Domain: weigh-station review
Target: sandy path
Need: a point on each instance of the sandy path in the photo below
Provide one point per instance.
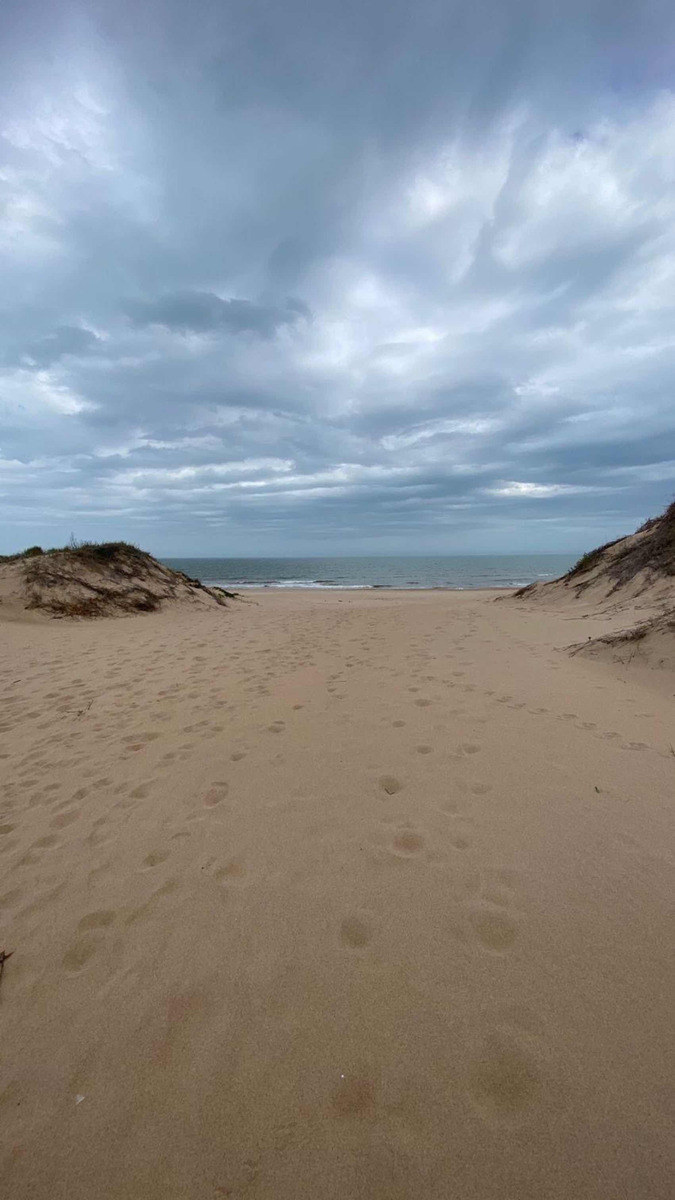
(349, 895)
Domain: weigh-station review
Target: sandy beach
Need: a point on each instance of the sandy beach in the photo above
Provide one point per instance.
(341, 895)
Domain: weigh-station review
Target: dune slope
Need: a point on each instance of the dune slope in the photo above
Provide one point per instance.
(94, 580)
(633, 577)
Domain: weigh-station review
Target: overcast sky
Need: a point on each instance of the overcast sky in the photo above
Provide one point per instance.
(340, 276)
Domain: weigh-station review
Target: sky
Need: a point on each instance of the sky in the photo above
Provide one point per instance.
(346, 277)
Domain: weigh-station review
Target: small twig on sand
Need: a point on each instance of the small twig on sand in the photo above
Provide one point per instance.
(4, 955)
(82, 711)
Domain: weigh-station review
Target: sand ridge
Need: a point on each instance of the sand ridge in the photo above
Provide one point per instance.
(358, 895)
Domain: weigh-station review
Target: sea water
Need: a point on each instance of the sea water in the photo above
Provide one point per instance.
(451, 571)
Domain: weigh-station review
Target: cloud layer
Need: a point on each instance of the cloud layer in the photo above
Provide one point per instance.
(336, 278)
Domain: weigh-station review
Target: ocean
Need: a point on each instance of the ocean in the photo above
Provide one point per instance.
(451, 571)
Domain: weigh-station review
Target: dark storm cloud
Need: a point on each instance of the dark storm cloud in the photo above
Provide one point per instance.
(336, 276)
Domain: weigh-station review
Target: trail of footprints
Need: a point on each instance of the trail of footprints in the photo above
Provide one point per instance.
(505, 1077)
(91, 929)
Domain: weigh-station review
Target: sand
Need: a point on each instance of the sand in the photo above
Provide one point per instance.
(343, 895)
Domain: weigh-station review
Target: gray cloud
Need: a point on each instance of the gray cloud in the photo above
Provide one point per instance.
(474, 205)
(64, 340)
(203, 312)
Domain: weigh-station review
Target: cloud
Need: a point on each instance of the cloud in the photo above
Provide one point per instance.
(64, 340)
(279, 280)
(204, 312)
(541, 491)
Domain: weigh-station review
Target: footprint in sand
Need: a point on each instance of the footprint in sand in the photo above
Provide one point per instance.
(355, 932)
(83, 950)
(390, 784)
(505, 1079)
(354, 1096)
(424, 749)
(64, 819)
(97, 920)
(494, 930)
(9, 899)
(76, 959)
(155, 858)
(33, 855)
(234, 871)
(140, 792)
(166, 889)
(216, 794)
(460, 840)
(407, 843)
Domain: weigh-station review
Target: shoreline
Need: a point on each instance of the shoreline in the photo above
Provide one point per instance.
(366, 587)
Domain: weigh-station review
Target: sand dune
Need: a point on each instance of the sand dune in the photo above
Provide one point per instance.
(630, 583)
(94, 579)
(649, 643)
(637, 571)
(359, 895)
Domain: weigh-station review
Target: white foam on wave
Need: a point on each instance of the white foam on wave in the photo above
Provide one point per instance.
(291, 583)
